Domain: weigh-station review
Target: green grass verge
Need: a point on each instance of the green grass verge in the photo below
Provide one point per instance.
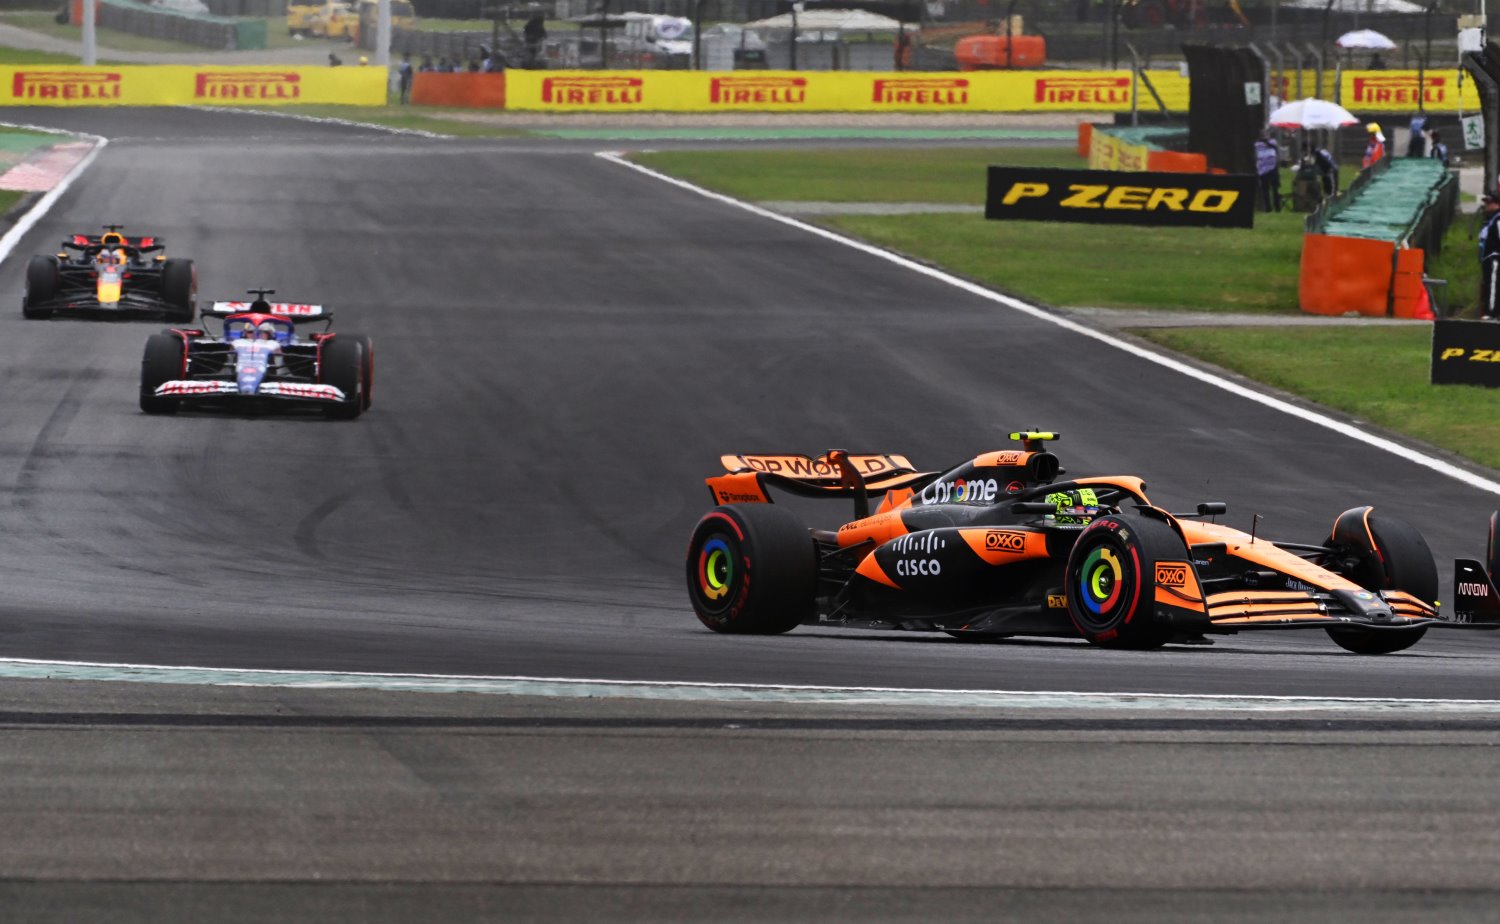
(1379, 374)
(9, 198)
(45, 23)
(1232, 270)
(1107, 266)
(27, 56)
(939, 174)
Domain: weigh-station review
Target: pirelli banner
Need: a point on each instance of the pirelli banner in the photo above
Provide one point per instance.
(1111, 197)
(181, 85)
(830, 91)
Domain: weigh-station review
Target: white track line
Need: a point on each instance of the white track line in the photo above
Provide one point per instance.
(323, 120)
(1323, 420)
(34, 214)
(27, 669)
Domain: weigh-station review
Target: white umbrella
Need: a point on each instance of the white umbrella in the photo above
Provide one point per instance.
(1366, 38)
(1312, 113)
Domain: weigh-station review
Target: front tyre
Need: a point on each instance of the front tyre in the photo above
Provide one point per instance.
(342, 366)
(752, 569)
(43, 278)
(1111, 581)
(161, 363)
(1400, 560)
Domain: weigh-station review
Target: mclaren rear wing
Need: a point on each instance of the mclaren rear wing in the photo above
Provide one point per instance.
(835, 473)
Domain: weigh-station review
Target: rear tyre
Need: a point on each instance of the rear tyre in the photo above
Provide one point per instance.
(179, 289)
(1111, 581)
(342, 366)
(752, 569)
(43, 277)
(367, 373)
(161, 363)
(1401, 560)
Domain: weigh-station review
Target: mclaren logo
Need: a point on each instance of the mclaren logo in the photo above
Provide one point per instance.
(1172, 574)
(592, 91)
(80, 85)
(1004, 540)
(733, 91)
(257, 85)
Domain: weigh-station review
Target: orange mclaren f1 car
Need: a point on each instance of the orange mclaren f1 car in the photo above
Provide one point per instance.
(997, 546)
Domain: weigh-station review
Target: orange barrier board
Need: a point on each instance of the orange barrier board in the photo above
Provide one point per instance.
(1344, 274)
(476, 91)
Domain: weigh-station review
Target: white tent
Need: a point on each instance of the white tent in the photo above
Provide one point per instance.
(831, 21)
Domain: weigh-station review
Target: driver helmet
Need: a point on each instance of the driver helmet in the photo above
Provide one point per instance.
(111, 256)
(265, 330)
(1067, 504)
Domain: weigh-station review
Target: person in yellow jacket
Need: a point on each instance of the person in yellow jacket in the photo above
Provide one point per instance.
(1375, 150)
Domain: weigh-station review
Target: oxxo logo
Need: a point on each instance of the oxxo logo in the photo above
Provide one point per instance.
(65, 85)
(1001, 540)
(1127, 198)
(587, 91)
(730, 91)
(1172, 574)
(960, 491)
(248, 85)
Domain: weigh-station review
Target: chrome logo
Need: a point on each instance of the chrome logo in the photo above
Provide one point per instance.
(715, 569)
(1099, 580)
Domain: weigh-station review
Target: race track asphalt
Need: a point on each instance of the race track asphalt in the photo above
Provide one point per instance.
(565, 347)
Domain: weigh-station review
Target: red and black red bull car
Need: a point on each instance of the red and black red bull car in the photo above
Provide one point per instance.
(259, 361)
(997, 546)
(110, 276)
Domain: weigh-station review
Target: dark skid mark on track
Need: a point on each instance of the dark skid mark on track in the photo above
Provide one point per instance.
(306, 536)
(732, 723)
(57, 424)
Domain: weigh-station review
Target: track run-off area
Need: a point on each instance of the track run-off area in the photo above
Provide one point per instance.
(441, 659)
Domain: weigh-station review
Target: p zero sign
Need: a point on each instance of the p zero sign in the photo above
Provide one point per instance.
(1466, 353)
(1201, 200)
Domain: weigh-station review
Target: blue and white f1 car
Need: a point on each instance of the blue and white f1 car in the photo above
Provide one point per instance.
(259, 362)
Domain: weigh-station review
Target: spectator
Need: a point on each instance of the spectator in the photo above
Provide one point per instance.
(1439, 150)
(403, 71)
(1375, 150)
(1416, 145)
(534, 33)
(444, 66)
(334, 60)
(427, 66)
(1268, 172)
(364, 60)
(1377, 63)
(1489, 258)
(473, 65)
(1328, 171)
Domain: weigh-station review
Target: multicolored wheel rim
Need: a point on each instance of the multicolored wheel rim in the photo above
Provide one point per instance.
(1102, 581)
(716, 573)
